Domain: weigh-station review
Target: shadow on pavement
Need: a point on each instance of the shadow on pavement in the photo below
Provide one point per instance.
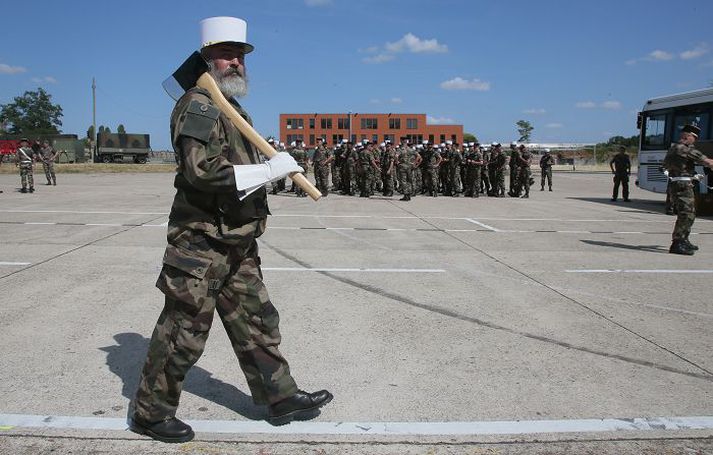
(126, 358)
(649, 248)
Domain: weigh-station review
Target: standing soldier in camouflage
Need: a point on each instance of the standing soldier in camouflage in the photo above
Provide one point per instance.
(546, 163)
(337, 165)
(388, 169)
(349, 158)
(680, 162)
(524, 175)
(473, 164)
(407, 160)
(302, 159)
(515, 183)
(211, 261)
(433, 162)
(321, 161)
(48, 155)
(621, 168)
(455, 160)
(24, 158)
(486, 187)
(368, 165)
(498, 163)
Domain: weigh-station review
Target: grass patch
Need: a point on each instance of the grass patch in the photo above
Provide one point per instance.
(94, 168)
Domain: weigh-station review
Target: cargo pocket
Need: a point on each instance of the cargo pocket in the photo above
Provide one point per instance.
(183, 278)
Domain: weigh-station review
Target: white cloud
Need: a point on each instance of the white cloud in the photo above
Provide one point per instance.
(696, 52)
(318, 2)
(660, 55)
(396, 100)
(369, 50)
(586, 105)
(381, 58)
(458, 83)
(412, 43)
(439, 120)
(611, 105)
(48, 79)
(538, 111)
(7, 69)
(374, 101)
(554, 125)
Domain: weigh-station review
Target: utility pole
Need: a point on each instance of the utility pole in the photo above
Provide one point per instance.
(92, 140)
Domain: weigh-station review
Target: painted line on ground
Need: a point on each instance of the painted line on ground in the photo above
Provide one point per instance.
(80, 212)
(680, 271)
(345, 269)
(483, 225)
(482, 428)
(15, 263)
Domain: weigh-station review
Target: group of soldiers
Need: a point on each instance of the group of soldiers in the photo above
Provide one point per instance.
(448, 169)
(25, 157)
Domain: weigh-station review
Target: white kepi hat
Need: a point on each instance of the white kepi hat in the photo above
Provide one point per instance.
(224, 29)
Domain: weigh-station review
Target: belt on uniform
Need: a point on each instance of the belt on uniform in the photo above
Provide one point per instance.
(680, 179)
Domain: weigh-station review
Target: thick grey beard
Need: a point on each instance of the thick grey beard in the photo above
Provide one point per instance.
(232, 85)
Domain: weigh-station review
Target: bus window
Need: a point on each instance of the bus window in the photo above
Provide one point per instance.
(654, 131)
(700, 119)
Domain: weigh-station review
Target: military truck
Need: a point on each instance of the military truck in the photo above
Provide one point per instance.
(118, 148)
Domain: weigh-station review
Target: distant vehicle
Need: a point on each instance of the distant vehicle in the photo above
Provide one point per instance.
(117, 148)
(660, 122)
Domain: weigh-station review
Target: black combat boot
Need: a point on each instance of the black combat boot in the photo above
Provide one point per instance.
(405, 198)
(689, 245)
(24, 190)
(300, 406)
(171, 430)
(550, 188)
(542, 188)
(679, 247)
(32, 189)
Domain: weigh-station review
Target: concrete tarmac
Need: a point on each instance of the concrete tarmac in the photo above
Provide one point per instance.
(555, 324)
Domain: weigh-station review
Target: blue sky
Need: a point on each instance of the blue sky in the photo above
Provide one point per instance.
(578, 71)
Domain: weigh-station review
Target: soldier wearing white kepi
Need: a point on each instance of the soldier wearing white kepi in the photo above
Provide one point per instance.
(23, 159)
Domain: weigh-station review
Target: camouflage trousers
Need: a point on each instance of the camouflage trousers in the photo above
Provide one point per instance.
(321, 179)
(198, 278)
(472, 180)
(431, 180)
(48, 167)
(524, 176)
(685, 205)
(27, 178)
(336, 177)
(546, 173)
(406, 180)
(622, 179)
(387, 180)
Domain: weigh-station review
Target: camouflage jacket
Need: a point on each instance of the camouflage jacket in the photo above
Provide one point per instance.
(681, 160)
(24, 155)
(207, 145)
(48, 154)
(321, 154)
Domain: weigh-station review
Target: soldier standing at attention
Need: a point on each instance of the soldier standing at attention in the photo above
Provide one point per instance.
(621, 168)
(486, 188)
(24, 159)
(680, 162)
(321, 161)
(498, 163)
(546, 163)
(211, 261)
(407, 160)
(515, 183)
(388, 169)
(349, 161)
(524, 173)
(48, 155)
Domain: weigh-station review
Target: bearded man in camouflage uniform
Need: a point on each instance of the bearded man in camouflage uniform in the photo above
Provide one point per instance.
(680, 162)
(211, 261)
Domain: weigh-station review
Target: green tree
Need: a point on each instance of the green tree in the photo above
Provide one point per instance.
(32, 114)
(120, 129)
(524, 129)
(469, 137)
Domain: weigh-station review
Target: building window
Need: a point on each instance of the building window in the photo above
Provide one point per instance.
(394, 123)
(454, 138)
(343, 123)
(389, 137)
(443, 138)
(411, 123)
(311, 139)
(311, 123)
(374, 138)
(369, 124)
(293, 137)
(295, 124)
(334, 139)
(326, 123)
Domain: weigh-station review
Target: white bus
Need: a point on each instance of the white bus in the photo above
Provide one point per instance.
(660, 122)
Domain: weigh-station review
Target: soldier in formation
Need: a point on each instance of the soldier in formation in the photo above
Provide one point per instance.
(680, 162)
(300, 156)
(24, 158)
(48, 155)
(546, 163)
(321, 164)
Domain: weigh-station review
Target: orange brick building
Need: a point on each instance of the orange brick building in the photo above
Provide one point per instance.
(374, 127)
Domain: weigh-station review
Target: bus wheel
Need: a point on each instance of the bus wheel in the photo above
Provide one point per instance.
(106, 159)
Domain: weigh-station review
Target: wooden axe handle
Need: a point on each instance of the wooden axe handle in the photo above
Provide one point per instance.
(207, 82)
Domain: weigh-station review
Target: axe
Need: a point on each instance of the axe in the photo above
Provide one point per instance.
(194, 73)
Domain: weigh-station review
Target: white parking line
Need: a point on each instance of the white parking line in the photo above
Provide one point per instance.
(321, 269)
(15, 263)
(640, 271)
(512, 427)
(490, 228)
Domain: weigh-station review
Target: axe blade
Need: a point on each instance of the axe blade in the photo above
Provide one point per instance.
(186, 76)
